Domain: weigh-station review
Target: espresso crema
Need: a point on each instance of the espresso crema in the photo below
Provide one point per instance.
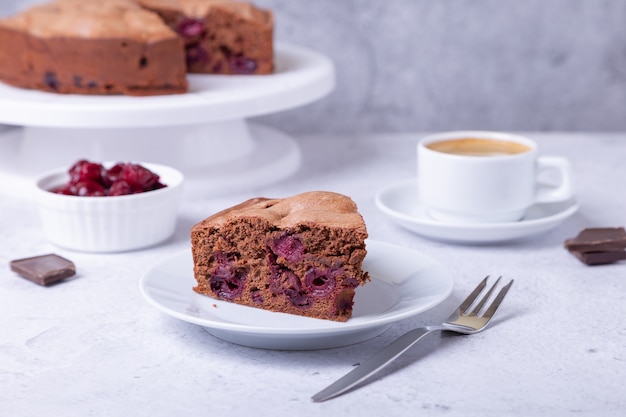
(478, 147)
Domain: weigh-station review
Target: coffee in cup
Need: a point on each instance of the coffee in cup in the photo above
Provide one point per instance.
(478, 147)
(485, 177)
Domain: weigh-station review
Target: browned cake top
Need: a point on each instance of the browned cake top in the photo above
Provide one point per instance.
(200, 8)
(320, 207)
(91, 19)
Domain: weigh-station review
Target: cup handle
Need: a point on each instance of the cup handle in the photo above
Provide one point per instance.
(564, 191)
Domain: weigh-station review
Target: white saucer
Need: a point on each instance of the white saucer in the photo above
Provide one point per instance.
(404, 283)
(401, 204)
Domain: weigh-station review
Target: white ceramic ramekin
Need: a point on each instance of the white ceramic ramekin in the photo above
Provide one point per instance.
(109, 224)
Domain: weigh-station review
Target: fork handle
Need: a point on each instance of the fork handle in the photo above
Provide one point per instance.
(375, 363)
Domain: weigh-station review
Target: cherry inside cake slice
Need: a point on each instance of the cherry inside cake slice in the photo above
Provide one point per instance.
(299, 255)
(220, 37)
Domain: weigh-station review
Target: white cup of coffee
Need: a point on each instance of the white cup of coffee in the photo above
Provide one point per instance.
(485, 177)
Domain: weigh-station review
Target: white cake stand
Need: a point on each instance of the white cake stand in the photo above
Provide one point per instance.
(204, 132)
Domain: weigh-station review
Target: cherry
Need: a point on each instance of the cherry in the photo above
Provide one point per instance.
(289, 247)
(320, 282)
(344, 302)
(89, 189)
(67, 189)
(298, 298)
(51, 81)
(257, 298)
(84, 170)
(195, 53)
(91, 179)
(120, 187)
(190, 28)
(113, 174)
(285, 281)
(239, 64)
(139, 178)
(225, 280)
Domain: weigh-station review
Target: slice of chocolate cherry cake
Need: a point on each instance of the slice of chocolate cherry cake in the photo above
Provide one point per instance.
(220, 36)
(299, 255)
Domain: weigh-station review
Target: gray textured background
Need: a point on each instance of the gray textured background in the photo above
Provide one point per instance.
(429, 65)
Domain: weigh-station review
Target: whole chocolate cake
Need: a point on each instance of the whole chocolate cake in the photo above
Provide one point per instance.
(133, 47)
(301, 255)
(220, 36)
(91, 47)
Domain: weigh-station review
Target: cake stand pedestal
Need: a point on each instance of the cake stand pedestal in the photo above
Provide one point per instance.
(204, 132)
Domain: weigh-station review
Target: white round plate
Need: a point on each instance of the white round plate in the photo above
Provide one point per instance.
(300, 77)
(400, 202)
(404, 283)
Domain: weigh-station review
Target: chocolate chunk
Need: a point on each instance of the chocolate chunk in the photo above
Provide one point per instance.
(44, 269)
(600, 258)
(598, 240)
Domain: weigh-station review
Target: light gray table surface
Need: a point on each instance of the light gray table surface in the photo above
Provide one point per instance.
(92, 346)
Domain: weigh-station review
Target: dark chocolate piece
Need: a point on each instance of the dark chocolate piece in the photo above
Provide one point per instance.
(600, 258)
(44, 269)
(598, 239)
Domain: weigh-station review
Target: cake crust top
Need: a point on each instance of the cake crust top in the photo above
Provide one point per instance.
(91, 19)
(200, 8)
(320, 207)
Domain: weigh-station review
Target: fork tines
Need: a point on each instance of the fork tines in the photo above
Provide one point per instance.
(471, 299)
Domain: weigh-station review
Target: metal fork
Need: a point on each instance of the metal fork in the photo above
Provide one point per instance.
(462, 320)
